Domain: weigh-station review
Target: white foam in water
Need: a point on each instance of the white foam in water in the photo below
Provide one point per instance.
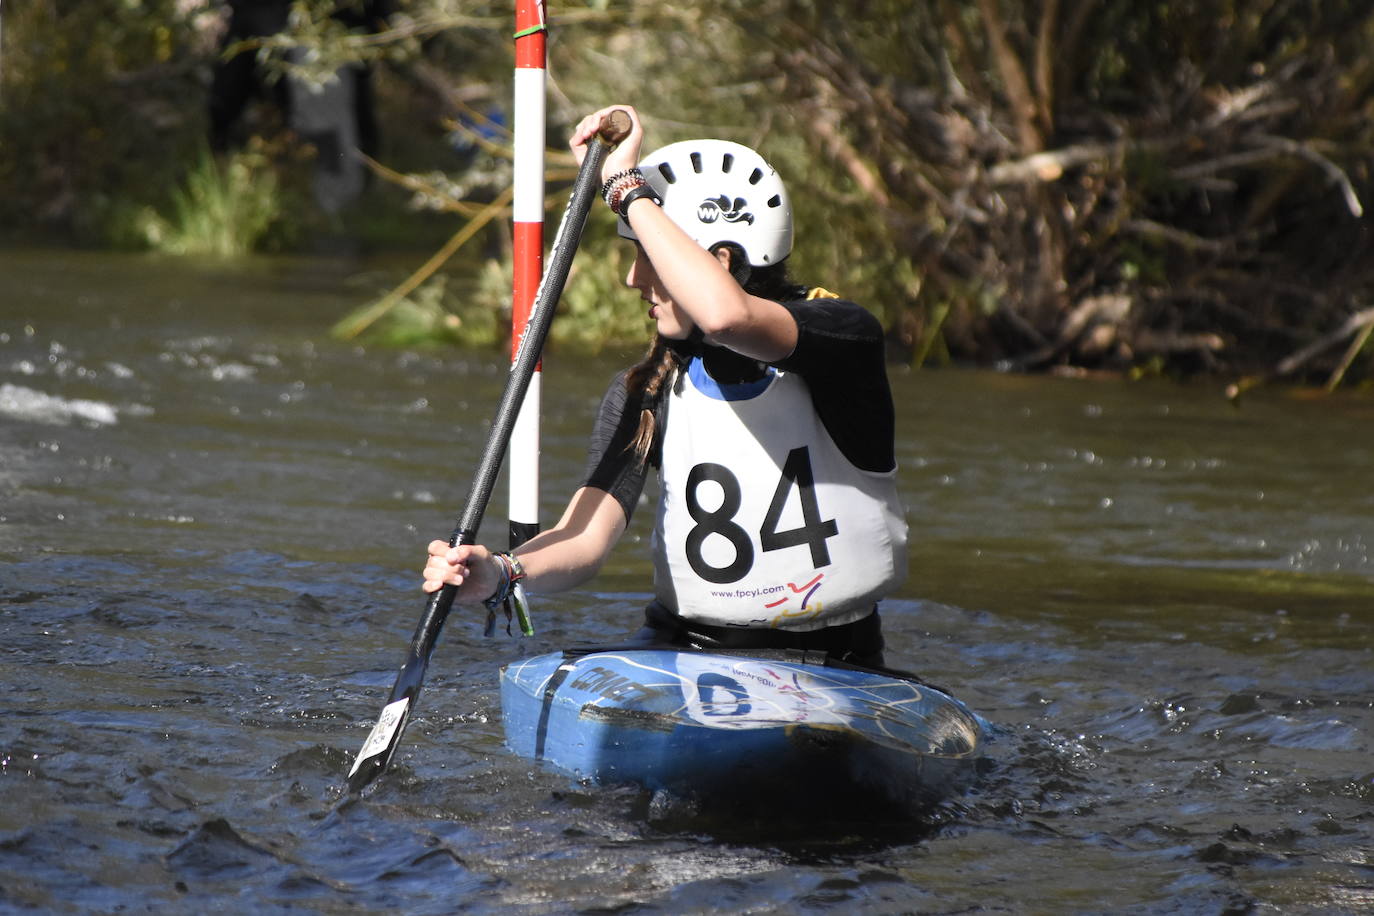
(27, 404)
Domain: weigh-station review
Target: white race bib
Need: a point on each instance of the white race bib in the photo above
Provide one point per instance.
(762, 521)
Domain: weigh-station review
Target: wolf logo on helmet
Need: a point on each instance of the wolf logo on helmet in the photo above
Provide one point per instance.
(722, 207)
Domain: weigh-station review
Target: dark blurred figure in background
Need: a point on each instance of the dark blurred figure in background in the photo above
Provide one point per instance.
(336, 118)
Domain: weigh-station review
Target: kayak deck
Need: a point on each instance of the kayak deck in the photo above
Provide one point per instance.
(722, 726)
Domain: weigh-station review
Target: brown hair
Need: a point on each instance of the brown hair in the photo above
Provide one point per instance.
(649, 377)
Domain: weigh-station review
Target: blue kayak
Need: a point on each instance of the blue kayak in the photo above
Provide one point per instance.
(721, 726)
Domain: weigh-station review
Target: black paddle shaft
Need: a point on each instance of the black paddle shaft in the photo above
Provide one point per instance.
(614, 128)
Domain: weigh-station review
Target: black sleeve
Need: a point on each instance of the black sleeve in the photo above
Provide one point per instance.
(611, 462)
(841, 355)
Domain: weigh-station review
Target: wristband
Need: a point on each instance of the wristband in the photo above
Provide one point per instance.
(510, 595)
(517, 569)
(644, 190)
(511, 572)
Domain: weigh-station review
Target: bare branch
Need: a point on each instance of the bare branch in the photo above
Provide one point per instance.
(1050, 165)
(1336, 174)
(1179, 237)
(1354, 323)
(1019, 97)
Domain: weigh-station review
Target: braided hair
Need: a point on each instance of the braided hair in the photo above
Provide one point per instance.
(649, 378)
(654, 375)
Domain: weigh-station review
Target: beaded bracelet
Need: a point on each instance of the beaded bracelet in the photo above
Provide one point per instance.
(617, 192)
(617, 177)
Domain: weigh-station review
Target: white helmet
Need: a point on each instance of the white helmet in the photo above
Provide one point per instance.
(718, 191)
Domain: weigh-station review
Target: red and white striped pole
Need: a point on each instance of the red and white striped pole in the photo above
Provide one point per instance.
(528, 209)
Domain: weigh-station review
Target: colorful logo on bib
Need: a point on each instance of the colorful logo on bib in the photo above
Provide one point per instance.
(722, 207)
(785, 611)
(807, 608)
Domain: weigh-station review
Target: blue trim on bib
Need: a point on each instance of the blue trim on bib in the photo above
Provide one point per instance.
(742, 391)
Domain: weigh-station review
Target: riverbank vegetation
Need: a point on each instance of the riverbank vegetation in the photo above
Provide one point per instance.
(1060, 185)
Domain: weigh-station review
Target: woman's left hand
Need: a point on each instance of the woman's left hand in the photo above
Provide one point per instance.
(624, 156)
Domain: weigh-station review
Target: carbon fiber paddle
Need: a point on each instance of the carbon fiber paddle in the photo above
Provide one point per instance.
(381, 743)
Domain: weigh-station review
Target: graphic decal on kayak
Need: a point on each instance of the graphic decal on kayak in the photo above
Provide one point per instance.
(735, 700)
(727, 695)
(607, 683)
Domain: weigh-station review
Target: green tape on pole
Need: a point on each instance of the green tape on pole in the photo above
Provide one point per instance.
(531, 30)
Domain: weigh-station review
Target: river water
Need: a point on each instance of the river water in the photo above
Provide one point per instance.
(212, 514)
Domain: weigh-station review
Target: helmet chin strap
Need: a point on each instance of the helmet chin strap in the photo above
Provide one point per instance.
(694, 344)
(729, 367)
(722, 364)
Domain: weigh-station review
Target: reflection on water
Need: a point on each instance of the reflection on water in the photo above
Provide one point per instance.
(211, 516)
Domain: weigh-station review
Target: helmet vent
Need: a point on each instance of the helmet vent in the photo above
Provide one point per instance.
(727, 161)
(666, 171)
(775, 201)
(696, 163)
(756, 176)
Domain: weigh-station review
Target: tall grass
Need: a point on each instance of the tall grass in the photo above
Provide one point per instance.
(223, 208)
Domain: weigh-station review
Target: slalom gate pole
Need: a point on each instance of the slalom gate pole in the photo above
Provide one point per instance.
(531, 30)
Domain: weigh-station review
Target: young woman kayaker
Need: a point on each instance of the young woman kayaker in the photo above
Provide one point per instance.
(765, 408)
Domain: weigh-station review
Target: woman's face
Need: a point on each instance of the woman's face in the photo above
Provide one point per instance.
(673, 323)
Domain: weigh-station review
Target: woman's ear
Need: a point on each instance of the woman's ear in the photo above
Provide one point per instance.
(732, 258)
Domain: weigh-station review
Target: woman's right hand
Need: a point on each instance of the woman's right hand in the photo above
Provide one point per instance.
(471, 567)
(624, 156)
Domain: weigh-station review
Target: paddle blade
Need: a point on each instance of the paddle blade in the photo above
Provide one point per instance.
(380, 745)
